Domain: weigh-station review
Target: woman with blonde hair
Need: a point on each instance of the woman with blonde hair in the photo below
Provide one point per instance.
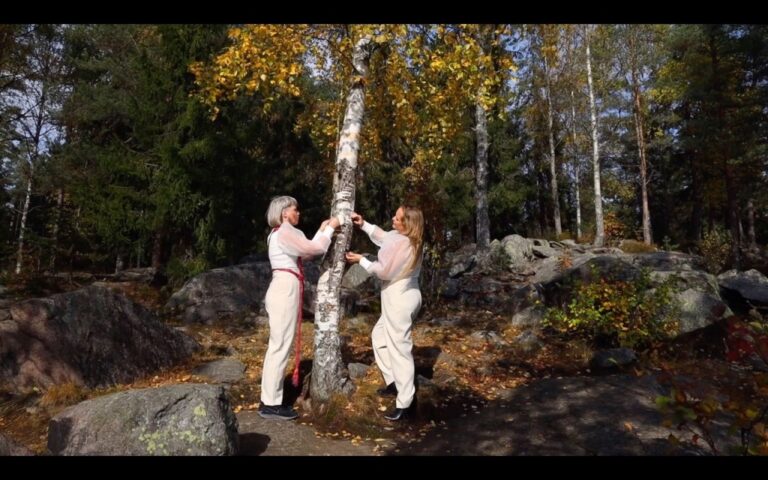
(287, 247)
(398, 266)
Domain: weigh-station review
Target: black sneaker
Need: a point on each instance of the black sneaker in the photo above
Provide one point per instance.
(277, 412)
(388, 391)
(397, 414)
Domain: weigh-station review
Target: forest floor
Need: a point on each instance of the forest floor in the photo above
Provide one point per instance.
(477, 397)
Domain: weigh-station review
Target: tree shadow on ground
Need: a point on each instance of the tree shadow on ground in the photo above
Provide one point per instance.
(253, 444)
(613, 415)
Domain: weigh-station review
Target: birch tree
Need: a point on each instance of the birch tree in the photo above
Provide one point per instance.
(271, 60)
(548, 52)
(599, 223)
(36, 104)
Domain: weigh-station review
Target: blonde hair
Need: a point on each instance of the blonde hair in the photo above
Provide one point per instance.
(276, 207)
(413, 223)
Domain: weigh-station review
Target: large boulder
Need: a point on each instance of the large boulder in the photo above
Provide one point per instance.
(559, 290)
(666, 261)
(358, 278)
(91, 337)
(518, 250)
(222, 292)
(186, 419)
(8, 447)
(503, 297)
(241, 290)
(699, 309)
(696, 293)
(461, 261)
(751, 286)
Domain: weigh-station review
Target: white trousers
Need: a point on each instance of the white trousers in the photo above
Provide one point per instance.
(282, 303)
(391, 337)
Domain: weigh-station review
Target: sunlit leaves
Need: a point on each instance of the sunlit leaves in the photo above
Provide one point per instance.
(422, 80)
(263, 58)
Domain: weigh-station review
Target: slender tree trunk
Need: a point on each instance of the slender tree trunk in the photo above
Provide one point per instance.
(697, 181)
(482, 224)
(552, 159)
(741, 231)
(157, 248)
(540, 187)
(724, 151)
(647, 235)
(328, 369)
(733, 212)
(751, 225)
(23, 225)
(640, 134)
(55, 233)
(16, 216)
(599, 224)
(576, 168)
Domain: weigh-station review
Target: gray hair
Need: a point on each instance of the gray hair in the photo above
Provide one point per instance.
(276, 207)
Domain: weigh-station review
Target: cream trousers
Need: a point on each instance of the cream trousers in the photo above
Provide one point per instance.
(391, 337)
(282, 303)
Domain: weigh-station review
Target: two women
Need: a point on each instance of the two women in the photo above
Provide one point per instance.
(398, 266)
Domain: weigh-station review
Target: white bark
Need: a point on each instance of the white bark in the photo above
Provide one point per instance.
(599, 223)
(22, 227)
(576, 168)
(639, 131)
(552, 159)
(640, 134)
(483, 224)
(327, 368)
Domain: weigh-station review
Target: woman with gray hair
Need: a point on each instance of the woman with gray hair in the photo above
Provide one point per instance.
(287, 246)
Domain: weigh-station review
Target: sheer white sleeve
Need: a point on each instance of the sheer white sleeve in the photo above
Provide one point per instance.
(375, 233)
(394, 256)
(295, 243)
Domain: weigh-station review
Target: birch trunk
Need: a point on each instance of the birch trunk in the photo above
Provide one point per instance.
(552, 159)
(640, 134)
(327, 368)
(576, 168)
(483, 224)
(599, 224)
(22, 227)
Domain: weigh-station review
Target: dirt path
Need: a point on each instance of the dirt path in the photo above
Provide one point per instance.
(259, 436)
(612, 415)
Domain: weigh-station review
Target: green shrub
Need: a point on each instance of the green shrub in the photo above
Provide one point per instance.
(667, 245)
(618, 313)
(179, 270)
(633, 246)
(715, 248)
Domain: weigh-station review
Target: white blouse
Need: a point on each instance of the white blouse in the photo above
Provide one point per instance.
(394, 255)
(289, 243)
